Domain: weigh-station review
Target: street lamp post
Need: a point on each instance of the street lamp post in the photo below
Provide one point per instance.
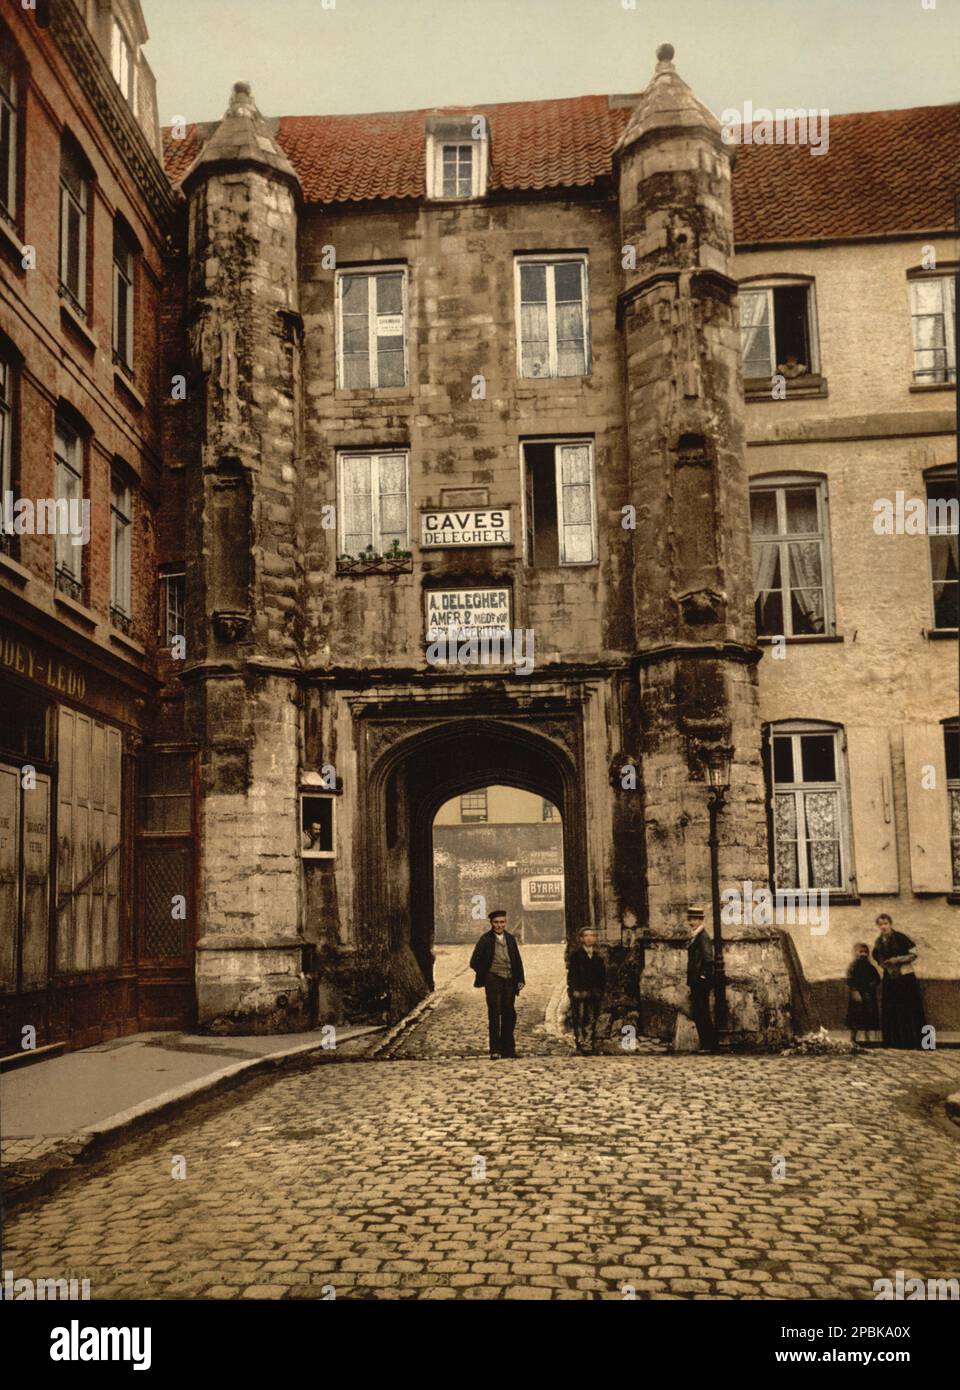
(717, 760)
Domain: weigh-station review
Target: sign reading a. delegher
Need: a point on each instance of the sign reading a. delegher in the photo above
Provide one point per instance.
(467, 612)
(489, 526)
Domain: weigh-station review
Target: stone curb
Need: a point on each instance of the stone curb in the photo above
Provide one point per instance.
(416, 1014)
(30, 1177)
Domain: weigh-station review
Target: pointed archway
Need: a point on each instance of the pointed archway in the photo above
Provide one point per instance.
(406, 788)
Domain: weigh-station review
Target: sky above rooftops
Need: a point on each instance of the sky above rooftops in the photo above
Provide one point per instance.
(390, 55)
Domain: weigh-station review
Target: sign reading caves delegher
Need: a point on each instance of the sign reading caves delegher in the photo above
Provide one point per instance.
(465, 613)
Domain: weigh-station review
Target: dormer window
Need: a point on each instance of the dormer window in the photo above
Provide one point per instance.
(123, 62)
(457, 150)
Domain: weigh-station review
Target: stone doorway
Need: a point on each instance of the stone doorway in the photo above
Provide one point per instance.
(423, 768)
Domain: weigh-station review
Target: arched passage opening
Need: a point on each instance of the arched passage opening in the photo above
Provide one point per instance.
(409, 785)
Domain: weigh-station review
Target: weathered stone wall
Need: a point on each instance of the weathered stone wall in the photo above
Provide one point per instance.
(244, 579)
(461, 322)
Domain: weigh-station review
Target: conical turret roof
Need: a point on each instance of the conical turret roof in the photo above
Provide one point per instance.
(666, 103)
(242, 137)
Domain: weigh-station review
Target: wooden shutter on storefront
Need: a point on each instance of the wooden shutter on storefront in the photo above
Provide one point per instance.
(872, 810)
(88, 843)
(927, 808)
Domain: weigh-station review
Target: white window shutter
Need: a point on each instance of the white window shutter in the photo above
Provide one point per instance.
(872, 810)
(927, 810)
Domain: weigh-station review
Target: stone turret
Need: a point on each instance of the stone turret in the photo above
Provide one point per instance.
(244, 571)
(695, 637)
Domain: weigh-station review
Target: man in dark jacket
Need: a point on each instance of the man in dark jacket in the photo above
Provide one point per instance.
(586, 981)
(700, 978)
(499, 971)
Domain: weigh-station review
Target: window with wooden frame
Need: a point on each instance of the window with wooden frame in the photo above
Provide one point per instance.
(560, 523)
(373, 510)
(124, 261)
(68, 486)
(74, 205)
(123, 62)
(457, 150)
(8, 542)
(473, 805)
(778, 330)
(317, 826)
(810, 815)
(172, 606)
(121, 531)
(951, 737)
(943, 530)
(791, 557)
(553, 328)
(933, 313)
(9, 134)
(371, 328)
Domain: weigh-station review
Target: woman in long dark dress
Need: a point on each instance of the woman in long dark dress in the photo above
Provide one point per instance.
(901, 1005)
(863, 983)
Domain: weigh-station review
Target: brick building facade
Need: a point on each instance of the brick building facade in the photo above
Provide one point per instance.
(85, 211)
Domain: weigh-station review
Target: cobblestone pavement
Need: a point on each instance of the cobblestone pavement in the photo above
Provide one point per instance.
(550, 1177)
(456, 1024)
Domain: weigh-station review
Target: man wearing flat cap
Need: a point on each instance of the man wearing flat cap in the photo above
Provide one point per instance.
(700, 977)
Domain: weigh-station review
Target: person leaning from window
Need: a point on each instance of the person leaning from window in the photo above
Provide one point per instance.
(901, 1004)
(499, 971)
(586, 982)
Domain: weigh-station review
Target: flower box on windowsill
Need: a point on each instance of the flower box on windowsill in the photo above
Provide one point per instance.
(356, 566)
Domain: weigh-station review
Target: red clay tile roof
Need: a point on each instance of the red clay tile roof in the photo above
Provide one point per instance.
(885, 171)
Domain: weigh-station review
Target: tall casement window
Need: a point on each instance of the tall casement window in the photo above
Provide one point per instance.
(805, 766)
(373, 510)
(74, 204)
(473, 805)
(791, 559)
(124, 257)
(777, 326)
(7, 542)
(943, 529)
(173, 594)
(371, 332)
(559, 506)
(121, 520)
(123, 62)
(9, 137)
(68, 485)
(933, 311)
(553, 336)
(951, 736)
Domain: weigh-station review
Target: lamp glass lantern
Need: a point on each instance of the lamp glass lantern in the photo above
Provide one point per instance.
(717, 759)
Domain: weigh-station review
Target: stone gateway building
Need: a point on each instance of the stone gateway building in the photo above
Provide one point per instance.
(537, 446)
(456, 375)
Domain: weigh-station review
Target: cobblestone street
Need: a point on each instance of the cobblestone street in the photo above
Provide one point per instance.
(434, 1172)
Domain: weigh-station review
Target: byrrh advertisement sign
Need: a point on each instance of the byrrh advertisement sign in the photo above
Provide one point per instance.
(457, 526)
(542, 891)
(464, 613)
